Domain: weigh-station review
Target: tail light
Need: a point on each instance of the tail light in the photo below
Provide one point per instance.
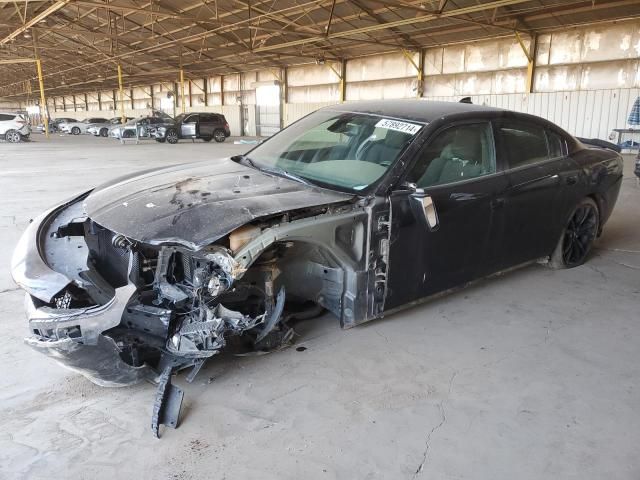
(20, 121)
(226, 124)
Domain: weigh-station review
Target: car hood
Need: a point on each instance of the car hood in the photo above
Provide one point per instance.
(195, 204)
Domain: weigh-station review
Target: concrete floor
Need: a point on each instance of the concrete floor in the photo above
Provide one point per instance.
(533, 375)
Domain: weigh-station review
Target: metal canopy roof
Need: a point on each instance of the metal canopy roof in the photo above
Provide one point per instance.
(80, 42)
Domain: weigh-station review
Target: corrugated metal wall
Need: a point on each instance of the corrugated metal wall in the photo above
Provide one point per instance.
(590, 113)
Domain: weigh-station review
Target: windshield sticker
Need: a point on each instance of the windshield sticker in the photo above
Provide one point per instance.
(410, 128)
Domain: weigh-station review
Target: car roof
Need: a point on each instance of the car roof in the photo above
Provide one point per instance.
(419, 110)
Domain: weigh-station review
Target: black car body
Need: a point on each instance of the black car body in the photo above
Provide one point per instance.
(159, 269)
(204, 125)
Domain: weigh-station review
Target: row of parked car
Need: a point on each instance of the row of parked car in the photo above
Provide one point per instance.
(157, 126)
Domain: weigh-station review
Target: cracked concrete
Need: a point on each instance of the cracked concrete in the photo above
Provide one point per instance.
(546, 384)
(443, 420)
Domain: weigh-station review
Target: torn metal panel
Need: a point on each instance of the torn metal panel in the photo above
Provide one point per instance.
(100, 363)
(166, 408)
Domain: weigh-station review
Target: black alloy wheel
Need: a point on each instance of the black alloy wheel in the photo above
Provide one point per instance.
(219, 136)
(172, 136)
(578, 236)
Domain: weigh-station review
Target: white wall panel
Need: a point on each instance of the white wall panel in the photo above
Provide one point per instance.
(381, 89)
(390, 66)
(314, 93)
(295, 111)
(307, 75)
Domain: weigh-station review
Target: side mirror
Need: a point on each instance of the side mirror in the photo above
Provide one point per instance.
(427, 206)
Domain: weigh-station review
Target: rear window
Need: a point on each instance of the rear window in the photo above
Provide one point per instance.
(523, 143)
(557, 144)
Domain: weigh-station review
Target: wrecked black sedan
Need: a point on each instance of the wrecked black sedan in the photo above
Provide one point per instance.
(360, 209)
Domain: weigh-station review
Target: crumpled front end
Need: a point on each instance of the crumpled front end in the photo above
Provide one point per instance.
(119, 312)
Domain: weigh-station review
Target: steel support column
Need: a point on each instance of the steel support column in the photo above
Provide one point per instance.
(43, 101)
(341, 74)
(123, 117)
(182, 90)
(419, 67)
(221, 89)
(530, 53)
(205, 90)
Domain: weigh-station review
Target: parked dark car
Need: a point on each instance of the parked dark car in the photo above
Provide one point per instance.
(361, 209)
(206, 126)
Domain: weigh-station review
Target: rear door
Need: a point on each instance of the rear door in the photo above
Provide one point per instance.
(539, 173)
(6, 122)
(207, 124)
(457, 179)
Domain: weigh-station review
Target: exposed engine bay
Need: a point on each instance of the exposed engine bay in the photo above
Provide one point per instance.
(158, 309)
(187, 304)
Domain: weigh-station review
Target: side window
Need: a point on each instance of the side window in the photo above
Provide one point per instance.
(4, 117)
(557, 145)
(456, 154)
(191, 119)
(523, 143)
(207, 118)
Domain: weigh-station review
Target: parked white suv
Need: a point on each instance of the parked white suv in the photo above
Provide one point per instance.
(14, 127)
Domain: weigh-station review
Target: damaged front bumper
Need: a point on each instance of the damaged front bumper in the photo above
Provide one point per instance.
(73, 337)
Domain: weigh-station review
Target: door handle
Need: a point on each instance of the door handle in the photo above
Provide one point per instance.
(496, 203)
(571, 180)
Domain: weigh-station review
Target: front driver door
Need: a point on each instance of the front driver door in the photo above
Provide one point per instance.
(455, 180)
(188, 126)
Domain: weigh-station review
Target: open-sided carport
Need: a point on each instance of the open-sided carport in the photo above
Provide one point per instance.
(529, 375)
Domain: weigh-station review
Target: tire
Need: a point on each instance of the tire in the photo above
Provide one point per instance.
(75, 130)
(161, 140)
(104, 132)
(172, 137)
(12, 136)
(207, 139)
(577, 237)
(219, 136)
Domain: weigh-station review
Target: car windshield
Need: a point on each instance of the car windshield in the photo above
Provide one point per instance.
(346, 151)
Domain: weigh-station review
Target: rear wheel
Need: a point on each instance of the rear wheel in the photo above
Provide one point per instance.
(172, 137)
(104, 132)
(12, 136)
(75, 130)
(578, 236)
(219, 136)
